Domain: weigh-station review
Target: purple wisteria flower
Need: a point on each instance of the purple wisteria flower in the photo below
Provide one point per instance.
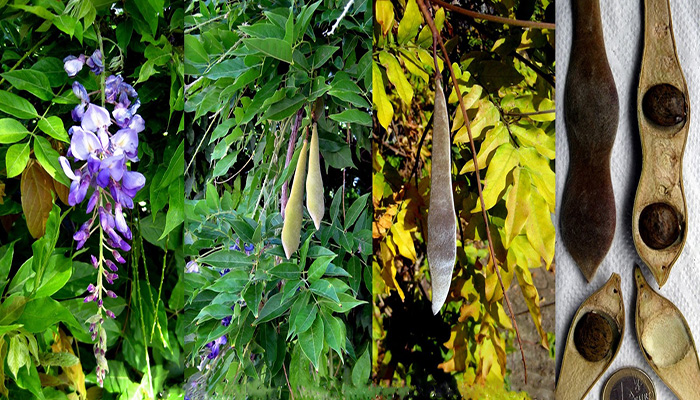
(101, 167)
(214, 346)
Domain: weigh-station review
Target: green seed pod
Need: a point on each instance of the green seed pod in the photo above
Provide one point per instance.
(314, 182)
(442, 226)
(291, 231)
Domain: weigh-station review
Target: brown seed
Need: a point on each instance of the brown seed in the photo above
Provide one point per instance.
(659, 226)
(593, 337)
(665, 105)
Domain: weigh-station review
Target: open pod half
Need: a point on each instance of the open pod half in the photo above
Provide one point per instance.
(666, 341)
(594, 339)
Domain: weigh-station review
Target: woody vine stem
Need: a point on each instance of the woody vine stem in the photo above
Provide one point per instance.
(437, 39)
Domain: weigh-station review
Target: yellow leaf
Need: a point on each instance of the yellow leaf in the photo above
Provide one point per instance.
(37, 201)
(413, 65)
(74, 374)
(532, 136)
(2, 194)
(385, 111)
(473, 94)
(485, 118)
(539, 228)
(396, 76)
(494, 138)
(541, 173)
(386, 254)
(517, 204)
(503, 161)
(426, 58)
(384, 13)
(403, 240)
(532, 299)
(411, 21)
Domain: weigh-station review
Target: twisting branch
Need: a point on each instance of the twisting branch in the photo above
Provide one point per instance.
(494, 18)
(492, 254)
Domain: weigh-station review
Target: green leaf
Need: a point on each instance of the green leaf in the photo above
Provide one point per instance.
(62, 359)
(17, 355)
(322, 54)
(53, 126)
(28, 378)
(6, 253)
(318, 267)
(58, 272)
(285, 270)
(12, 131)
(176, 207)
(355, 210)
(66, 23)
(34, 82)
(302, 318)
(176, 167)
(311, 342)
(52, 67)
(227, 259)
(334, 330)
(324, 288)
(273, 308)
(40, 314)
(353, 116)
(11, 309)
(396, 76)
(16, 106)
(361, 370)
(285, 108)
(272, 47)
(48, 158)
(411, 21)
(194, 50)
(503, 161)
(16, 159)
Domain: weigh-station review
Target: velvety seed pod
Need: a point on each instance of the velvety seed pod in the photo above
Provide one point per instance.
(442, 226)
(314, 182)
(291, 231)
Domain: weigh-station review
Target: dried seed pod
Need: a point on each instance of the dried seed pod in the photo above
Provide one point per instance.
(590, 347)
(314, 182)
(442, 226)
(659, 226)
(665, 105)
(666, 341)
(291, 231)
(663, 114)
(587, 223)
(593, 336)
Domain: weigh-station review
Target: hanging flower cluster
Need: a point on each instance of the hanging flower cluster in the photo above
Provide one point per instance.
(104, 172)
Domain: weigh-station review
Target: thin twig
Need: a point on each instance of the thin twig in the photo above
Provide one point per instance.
(291, 392)
(492, 252)
(513, 114)
(494, 18)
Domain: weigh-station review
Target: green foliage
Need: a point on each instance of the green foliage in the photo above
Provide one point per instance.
(43, 333)
(505, 75)
(253, 69)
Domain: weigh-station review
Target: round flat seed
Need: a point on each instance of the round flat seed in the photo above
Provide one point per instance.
(629, 384)
(665, 105)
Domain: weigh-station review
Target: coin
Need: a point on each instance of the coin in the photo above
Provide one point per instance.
(629, 384)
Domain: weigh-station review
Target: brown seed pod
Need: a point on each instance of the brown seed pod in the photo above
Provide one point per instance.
(665, 105)
(593, 336)
(659, 226)
(593, 341)
(587, 223)
(663, 113)
(442, 225)
(666, 340)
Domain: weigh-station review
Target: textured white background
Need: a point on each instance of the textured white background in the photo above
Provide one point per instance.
(623, 22)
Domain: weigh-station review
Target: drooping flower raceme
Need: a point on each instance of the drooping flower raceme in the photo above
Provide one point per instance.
(100, 168)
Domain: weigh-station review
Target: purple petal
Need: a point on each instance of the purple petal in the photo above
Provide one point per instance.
(80, 92)
(116, 165)
(122, 115)
(66, 168)
(95, 117)
(112, 88)
(126, 140)
(137, 123)
(78, 112)
(93, 201)
(133, 181)
(95, 62)
(72, 65)
(83, 143)
(121, 222)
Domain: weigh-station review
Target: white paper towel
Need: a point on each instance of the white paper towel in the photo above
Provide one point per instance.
(623, 24)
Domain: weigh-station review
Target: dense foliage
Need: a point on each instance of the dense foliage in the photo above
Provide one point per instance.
(83, 310)
(258, 75)
(506, 78)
